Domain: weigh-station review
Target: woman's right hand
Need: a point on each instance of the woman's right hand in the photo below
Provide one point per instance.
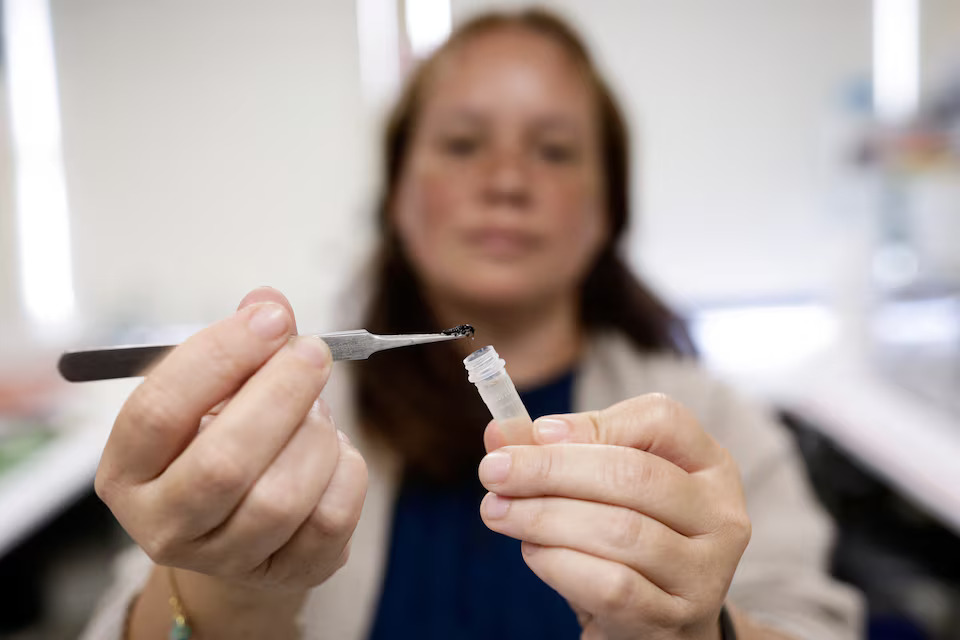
(225, 462)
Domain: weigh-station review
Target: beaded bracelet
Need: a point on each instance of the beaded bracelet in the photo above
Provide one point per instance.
(180, 629)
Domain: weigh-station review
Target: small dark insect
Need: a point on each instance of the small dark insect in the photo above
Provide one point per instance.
(462, 330)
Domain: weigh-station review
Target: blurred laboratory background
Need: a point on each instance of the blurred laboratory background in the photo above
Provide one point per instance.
(798, 192)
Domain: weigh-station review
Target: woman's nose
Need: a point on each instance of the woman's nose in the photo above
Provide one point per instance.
(507, 181)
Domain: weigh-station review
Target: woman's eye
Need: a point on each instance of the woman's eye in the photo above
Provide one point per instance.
(558, 153)
(460, 145)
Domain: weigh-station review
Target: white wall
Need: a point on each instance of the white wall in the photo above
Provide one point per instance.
(210, 147)
(9, 293)
(732, 105)
(939, 41)
(935, 204)
(214, 146)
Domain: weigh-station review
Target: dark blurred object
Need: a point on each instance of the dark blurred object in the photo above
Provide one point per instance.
(893, 628)
(906, 564)
(49, 583)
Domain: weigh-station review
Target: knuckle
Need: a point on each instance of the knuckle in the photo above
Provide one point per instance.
(362, 473)
(332, 521)
(727, 462)
(289, 387)
(663, 408)
(657, 398)
(161, 547)
(627, 530)
(536, 522)
(629, 471)
(597, 420)
(150, 409)
(358, 466)
(542, 462)
(344, 556)
(218, 473)
(741, 527)
(680, 612)
(732, 519)
(276, 507)
(617, 592)
(220, 354)
(105, 487)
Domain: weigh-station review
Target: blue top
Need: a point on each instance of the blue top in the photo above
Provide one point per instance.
(449, 576)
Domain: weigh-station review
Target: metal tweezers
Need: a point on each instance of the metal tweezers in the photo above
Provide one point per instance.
(128, 361)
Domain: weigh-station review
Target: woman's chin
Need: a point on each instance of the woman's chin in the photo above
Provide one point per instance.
(497, 297)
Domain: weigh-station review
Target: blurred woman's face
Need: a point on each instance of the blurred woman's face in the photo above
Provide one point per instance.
(501, 200)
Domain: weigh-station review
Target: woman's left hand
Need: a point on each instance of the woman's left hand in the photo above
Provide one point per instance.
(634, 514)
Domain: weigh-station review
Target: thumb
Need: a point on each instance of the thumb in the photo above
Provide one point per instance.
(268, 294)
(652, 422)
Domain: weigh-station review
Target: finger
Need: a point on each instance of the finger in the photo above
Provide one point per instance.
(321, 544)
(653, 423)
(161, 415)
(213, 413)
(512, 432)
(670, 561)
(493, 437)
(608, 474)
(206, 482)
(269, 294)
(279, 501)
(614, 594)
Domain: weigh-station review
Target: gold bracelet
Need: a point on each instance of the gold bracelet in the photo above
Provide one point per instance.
(180, 629)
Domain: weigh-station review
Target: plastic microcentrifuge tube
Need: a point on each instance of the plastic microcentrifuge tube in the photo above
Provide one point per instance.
(488, 372)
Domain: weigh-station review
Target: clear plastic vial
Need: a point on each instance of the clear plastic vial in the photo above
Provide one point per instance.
(488, 372)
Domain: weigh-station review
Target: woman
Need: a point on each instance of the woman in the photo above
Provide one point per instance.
(506, 196)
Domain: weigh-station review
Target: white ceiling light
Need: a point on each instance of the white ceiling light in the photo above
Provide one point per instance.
(428, 25)
(896, 59)
(43, 229)
(378, 38)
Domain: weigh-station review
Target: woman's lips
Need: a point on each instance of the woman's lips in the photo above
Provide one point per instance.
(502, 243)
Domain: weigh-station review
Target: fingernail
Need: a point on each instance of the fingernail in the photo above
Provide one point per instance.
(320, 406)
(494, 467)
(269, 321)
(495, 507)
(551, 430)
(313, 350)
(204, 421)
(343, 437)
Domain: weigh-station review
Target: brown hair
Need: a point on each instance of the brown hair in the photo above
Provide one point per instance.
(429, 413)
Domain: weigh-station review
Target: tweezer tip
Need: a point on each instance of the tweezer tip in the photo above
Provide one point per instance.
(463, 330)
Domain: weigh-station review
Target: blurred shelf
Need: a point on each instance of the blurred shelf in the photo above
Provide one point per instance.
(800, 358)
(912, 443)
(52, 477)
